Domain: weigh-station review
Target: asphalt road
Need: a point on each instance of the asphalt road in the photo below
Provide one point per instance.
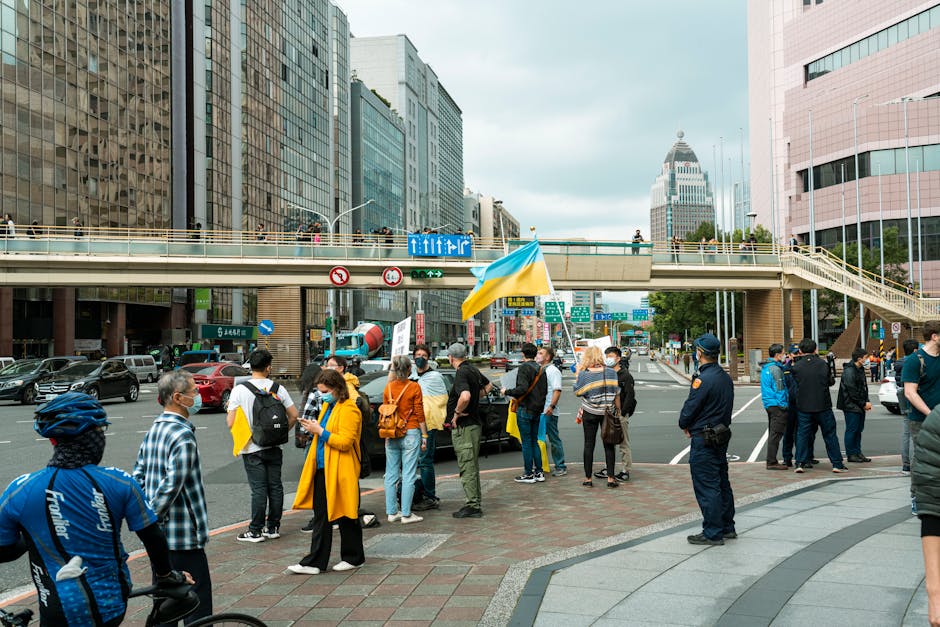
(654, 436)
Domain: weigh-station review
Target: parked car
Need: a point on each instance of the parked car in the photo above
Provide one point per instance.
(17, 381)
(513, 361)
(494, 407)
(198, 357)
(215, 381)
(99, 379)
(375, 365)
(888, 394)
(499, 360)
(143, 366)
(5, 361)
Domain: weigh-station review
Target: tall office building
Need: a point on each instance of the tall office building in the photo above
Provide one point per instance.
(85, 131)
(828, 80)
(681, 197)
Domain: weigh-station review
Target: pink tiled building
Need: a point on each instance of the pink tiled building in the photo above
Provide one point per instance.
(822, 69)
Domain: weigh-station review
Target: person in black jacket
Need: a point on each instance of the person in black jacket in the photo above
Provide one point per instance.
(853, 401)
(613, 358)
(813, 378)
(530, 391)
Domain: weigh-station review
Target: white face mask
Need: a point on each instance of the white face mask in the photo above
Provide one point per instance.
(610, 362)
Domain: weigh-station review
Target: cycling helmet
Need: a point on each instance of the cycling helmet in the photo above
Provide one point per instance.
(69, 415)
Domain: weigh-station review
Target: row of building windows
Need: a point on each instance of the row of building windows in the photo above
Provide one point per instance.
(875, 163)
(885, 38)
(871, 236)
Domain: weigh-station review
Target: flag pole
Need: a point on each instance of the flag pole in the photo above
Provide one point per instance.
(554, 298)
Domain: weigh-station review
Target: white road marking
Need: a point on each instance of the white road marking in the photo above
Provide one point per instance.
(760, 446)
(201, 428)
(145, 391)
(669, 411)
(4, 441)
(23, 422)
(675, 460)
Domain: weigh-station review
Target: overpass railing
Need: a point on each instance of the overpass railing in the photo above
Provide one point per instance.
(674, 253)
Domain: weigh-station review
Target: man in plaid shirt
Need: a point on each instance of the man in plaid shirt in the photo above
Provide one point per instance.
(169, 471)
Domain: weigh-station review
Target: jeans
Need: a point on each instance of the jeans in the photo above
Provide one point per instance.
(709, 469)
(426, 465)
(263, 469)
(592, 424)
(467, 449)
(804, 436)
(776, 429)
(529, 435)
(321, 541)
(401, 464)
(854, 425)
(554, 440)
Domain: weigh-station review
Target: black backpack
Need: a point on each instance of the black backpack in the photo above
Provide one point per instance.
(269, 424)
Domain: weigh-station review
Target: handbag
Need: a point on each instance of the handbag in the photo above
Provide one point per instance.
(514, 402)
(611, 429)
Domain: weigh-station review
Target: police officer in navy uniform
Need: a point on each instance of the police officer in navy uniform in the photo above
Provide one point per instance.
(709, 404)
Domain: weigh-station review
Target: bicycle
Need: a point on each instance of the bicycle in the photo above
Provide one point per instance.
(180, 593)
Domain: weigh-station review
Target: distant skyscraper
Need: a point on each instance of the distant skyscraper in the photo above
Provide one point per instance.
(681, 198)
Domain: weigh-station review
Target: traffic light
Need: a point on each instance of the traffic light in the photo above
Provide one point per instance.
(328, 325)
(428, 273)
(875, 329)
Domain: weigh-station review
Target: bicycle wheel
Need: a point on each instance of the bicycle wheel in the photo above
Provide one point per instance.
(229, 618)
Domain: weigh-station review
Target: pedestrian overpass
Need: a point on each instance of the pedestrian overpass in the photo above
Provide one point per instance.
(166, 258)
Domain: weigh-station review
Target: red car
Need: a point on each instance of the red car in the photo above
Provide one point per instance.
(215, 381)
(499, 360)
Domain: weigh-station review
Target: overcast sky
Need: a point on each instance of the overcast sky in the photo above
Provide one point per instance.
(569, 108)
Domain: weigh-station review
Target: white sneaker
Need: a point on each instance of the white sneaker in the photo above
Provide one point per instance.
(300, 569)
(394, 517)
(411, 519)
(344, 565)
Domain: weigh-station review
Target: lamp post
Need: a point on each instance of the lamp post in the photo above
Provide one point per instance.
(845, 298)
(858, 215)
(813, 294)
(332, 292)
(907, 173)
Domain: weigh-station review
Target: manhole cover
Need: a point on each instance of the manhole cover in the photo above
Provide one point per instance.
(404, 545)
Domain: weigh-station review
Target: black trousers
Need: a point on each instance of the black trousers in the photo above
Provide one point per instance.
(263, 469)
(591, 423)
(776, 427)
(196, 564)
(321, 541)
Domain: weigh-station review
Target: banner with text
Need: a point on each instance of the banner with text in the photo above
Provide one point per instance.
(401, 337)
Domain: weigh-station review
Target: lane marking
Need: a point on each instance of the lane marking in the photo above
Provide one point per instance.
(4, 441)
(25, 422)
(760, 446)
(685, 451)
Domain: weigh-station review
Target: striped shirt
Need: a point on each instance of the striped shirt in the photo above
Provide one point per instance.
(598, 390)
(169, 471)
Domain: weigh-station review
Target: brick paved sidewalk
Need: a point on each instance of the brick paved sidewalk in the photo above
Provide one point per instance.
(471, 571)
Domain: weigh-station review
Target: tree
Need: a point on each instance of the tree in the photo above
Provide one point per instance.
(678, 312)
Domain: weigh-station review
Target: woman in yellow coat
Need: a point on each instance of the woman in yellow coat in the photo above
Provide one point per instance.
(333, 462)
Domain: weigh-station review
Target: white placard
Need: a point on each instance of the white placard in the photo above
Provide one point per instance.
(602, 342)
(401, 337)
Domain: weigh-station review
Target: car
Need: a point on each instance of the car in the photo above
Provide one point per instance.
(144, 366)
(888, 394)
(99, 379)
(215, 381)
(494, 406)
(17, 381)
(5, 361)
(498, 360)
(514, 360)
(486, 355)
(375, 365)
(643, 350)
(198, 357)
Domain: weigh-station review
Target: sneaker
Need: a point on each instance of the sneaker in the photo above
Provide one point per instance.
(344, 565)
(425, 504)
(468, 512)
(730, 535)
(525, 479)
(300, 569)
(906, 471)
(539, 477)
(839, 469)
(308, 528)
(865, 459)
(623, 475)
(272, 533)
(394, 517)
(413, 518)
(700, 538)
(799, 469)
(601, 474)
(814, 461)
(776, 467)
(250, 536)
(559, 472)
(855, 459)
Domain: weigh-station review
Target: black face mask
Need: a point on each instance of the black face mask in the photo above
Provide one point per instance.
(85, 449)
(421, 362)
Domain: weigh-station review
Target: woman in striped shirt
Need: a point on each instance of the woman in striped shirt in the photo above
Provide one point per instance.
(599, 392)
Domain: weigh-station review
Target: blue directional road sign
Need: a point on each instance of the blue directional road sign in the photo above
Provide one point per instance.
(641, 314)
(420, 245)
(509, 313)
(265, 327)
(603, 316)
(527, 312)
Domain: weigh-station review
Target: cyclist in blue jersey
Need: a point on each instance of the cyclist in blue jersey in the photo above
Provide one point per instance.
(68, 517)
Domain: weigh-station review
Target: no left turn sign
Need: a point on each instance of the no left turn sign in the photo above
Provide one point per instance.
(339, 276)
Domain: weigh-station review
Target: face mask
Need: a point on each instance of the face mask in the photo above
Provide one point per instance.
(538, 359)
(421, 362)
(610, 362)
(196, 406)
(327, 397)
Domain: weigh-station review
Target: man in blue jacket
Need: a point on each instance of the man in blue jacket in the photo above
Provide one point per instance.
(705, 418)
(774, 395)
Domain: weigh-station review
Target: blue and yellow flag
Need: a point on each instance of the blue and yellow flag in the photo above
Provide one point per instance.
(520, 273)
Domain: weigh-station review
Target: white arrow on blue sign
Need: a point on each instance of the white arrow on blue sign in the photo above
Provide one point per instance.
(265, 327)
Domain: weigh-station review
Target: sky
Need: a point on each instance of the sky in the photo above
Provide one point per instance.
(569, 108)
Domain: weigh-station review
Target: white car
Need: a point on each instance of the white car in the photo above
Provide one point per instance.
(888, 394)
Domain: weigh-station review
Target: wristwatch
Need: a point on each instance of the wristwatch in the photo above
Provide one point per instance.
(551, 407)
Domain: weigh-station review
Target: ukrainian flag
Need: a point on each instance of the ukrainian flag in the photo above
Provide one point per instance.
(520, 273)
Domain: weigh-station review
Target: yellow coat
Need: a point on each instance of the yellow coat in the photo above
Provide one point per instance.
(341, 464)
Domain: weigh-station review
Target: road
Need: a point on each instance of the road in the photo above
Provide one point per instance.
(653, 434)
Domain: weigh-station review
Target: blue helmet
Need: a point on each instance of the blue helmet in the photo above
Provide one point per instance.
(69, 415)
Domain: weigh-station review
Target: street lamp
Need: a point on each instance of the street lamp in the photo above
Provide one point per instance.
(332, 292)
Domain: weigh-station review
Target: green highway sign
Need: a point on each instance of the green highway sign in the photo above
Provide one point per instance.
(430, 273)
(227, 332)
(581, 314)
(554, 311)
(641, 314)
(620, 315)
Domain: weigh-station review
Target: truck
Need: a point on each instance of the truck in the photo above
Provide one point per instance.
(365, 341)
